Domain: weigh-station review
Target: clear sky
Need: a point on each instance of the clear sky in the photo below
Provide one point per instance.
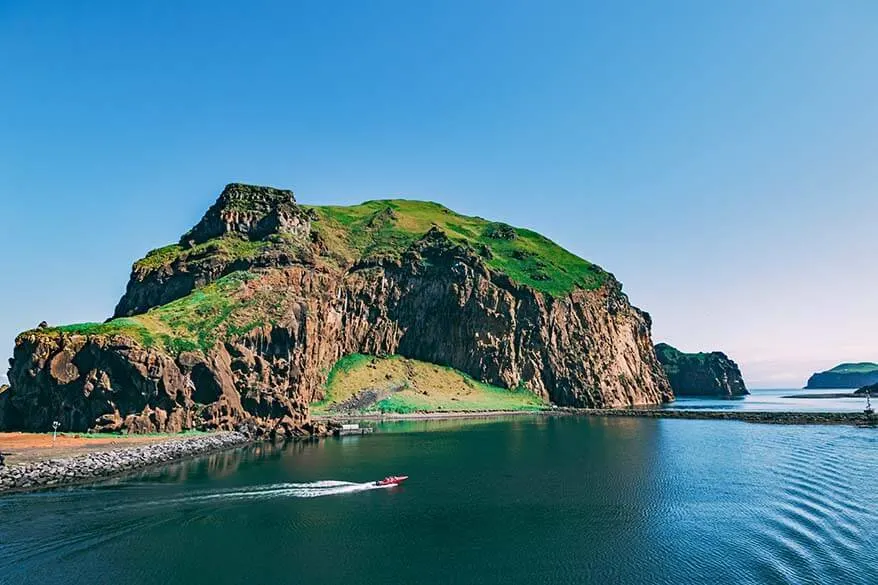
(718, 157)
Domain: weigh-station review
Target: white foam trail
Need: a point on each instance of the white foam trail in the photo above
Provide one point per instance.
(283, 490)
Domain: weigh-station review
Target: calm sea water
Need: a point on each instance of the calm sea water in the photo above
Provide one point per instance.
(796, 400)
(523, 500)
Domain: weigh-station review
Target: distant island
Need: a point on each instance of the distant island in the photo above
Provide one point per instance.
(701, 374)
(848, 375)
(267, 306)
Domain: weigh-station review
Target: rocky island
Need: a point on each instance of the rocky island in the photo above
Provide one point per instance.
(244, 319)
(848, 375)
(701, 374)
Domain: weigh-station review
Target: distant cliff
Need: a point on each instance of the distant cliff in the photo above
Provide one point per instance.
(845, 376)
(872, 390)
(242, 320)
(701, 374)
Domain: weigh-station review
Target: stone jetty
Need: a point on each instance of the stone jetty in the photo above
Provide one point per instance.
(103, 464)
(767, 417)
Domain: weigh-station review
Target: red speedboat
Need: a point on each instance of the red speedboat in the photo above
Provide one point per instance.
(392, 480)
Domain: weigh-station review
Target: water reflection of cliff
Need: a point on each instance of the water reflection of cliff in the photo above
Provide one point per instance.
(216, 465)
(452, 424)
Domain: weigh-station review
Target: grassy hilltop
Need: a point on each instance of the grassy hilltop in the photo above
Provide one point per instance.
(855, 368)
(386, 228)
(374, 230)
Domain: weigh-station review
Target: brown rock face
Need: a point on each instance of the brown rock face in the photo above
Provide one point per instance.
(113, 384)
(590, 348)
(437, 302)
(80, 381)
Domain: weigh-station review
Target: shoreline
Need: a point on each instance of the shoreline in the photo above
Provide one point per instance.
(754, 416)
(431, 415)
(100, 464)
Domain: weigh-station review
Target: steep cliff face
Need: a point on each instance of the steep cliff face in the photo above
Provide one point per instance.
(701, 374)
(243, 319)
(845, 376)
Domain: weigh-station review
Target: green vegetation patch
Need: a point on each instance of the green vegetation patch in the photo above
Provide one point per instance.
(230, 246)
(387, 228)
(401, 385)
(194, 322)
(401, 405)
(855, 368)
(671, 358)
(128, 326)
(346, 365)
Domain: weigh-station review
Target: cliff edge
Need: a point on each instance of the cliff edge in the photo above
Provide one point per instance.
(241, 320)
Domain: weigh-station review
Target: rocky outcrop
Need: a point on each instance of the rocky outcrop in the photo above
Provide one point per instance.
(112, 383)
(304, 308)
(701, 374)
(252, 211)
(845, 376)
(267, 221)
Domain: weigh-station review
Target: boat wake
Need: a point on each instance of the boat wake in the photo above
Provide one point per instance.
(314, 489)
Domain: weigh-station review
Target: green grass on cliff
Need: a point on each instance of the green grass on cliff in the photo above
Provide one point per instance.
(371, 230)
(856, 368)
(123, 326)
(386, 228)
(230, 246)
(671, 357)
(194, 322)
(405, 385)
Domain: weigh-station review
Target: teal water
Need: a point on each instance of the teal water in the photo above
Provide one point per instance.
(791, 400)
(522, 500)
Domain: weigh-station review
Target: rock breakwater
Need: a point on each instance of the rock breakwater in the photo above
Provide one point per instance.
(103, 464)
(769, 417)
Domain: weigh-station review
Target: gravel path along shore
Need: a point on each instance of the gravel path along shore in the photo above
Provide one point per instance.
(101, 464)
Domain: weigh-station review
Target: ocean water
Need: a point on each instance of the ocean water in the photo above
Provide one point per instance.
(795, 400)
(519, 500)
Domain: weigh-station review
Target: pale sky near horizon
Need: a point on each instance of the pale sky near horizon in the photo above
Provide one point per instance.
(717, 157)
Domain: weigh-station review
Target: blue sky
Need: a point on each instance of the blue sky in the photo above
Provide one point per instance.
(718, 157)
